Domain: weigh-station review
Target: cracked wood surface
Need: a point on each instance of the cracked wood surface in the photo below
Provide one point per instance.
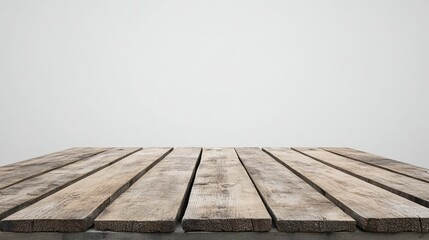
(231, 190)
(75, 207)
(295, 205)
(373, 208)
(223, 198)
(154, 203)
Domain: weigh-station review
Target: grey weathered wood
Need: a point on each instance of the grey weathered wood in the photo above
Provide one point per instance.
(382, 162)
(373, 208)
(154, 203)
(294, 205)
(20, 171)
(23, 194)
(410, 188)
(223, 198)
(75, 207)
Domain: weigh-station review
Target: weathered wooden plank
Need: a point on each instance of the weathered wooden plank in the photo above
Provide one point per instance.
(75, 207)
(154, 203)
(21, 171)
(406, 169)
(410, 188)
(373, 208)
(23, 194)
(294, 205)
(223, 198)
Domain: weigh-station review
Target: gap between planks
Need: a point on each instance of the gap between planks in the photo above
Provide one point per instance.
(75, 207)
(18, 172)
(408, 224)
(25, 193)
(155, 202)
(293, 204)
(373, 208)
(409, 188)
(406, 169)
(223, 198)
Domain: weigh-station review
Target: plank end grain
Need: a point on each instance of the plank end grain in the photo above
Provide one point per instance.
(392, 225)
(227, 225)
(16, 226)
(315, 226)
(424, 222)
(45, 225)
(166, 226)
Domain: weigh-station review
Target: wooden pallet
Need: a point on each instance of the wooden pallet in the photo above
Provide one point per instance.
(161, 190)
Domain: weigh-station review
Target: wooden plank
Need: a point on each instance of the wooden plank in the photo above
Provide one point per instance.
(23, 194)
(406, 169)
(373, 208)
(410, 188)
(294, 205)
(21, 171)
(75, 207)
(154, 203)
(223, 198)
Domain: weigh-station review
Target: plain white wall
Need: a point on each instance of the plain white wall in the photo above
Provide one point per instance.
(214, 73)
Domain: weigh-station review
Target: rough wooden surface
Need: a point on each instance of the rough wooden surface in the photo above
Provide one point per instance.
(223, 198)
(410, 188)
(154, 203)
(71, 188)
(75, 207)
(22, 194)
(389, 164)
(20, 171)
(373, 208)
(294, 205)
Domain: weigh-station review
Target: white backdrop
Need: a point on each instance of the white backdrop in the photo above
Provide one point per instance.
(214, 73)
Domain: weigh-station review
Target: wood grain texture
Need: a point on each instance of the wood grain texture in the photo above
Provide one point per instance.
(21, 171)
(294, 205)
(410, 188)
(154, 203)
(373, 208)
(223, 198)
(23, 194)
(406, 169)
(75, 207)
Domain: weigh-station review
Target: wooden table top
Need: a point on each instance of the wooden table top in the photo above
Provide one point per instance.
(191, 189)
